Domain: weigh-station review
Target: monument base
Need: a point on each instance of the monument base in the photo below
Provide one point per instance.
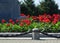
(9, 9)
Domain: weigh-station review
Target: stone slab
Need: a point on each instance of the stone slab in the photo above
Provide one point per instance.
(29, 41)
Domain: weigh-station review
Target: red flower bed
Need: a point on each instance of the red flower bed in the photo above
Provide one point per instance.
(44, 21)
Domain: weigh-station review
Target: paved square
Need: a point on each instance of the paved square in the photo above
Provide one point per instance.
(29, 41)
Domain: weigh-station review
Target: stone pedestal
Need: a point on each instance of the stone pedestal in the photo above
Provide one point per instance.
(35, 34)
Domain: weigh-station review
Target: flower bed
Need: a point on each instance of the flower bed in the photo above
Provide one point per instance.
(45, 23)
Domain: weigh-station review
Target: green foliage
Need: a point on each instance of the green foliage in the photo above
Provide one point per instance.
(46, 6)
(16, 28)
(56, 27)
(28, 7)
(43, 27)
(49, 7)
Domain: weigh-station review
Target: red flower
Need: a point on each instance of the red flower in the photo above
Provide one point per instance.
(34, 17)
(54, 22)
(49, 16)
(40, 18)
(28, 16)
(54, 15)
(27, 22)
(46, 20)
(22, 14)
(21, 24)
(17, 21)
(44, 15)
(3, 21)
(13, 23)
(10, 20)
(8, 24)
(55, 19)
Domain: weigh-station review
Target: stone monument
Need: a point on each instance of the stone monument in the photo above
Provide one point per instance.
(9, 9)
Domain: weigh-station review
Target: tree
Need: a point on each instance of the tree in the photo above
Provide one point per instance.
(28, 7)
(49, 7)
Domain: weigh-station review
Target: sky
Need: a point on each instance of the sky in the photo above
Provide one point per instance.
(37, 2)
